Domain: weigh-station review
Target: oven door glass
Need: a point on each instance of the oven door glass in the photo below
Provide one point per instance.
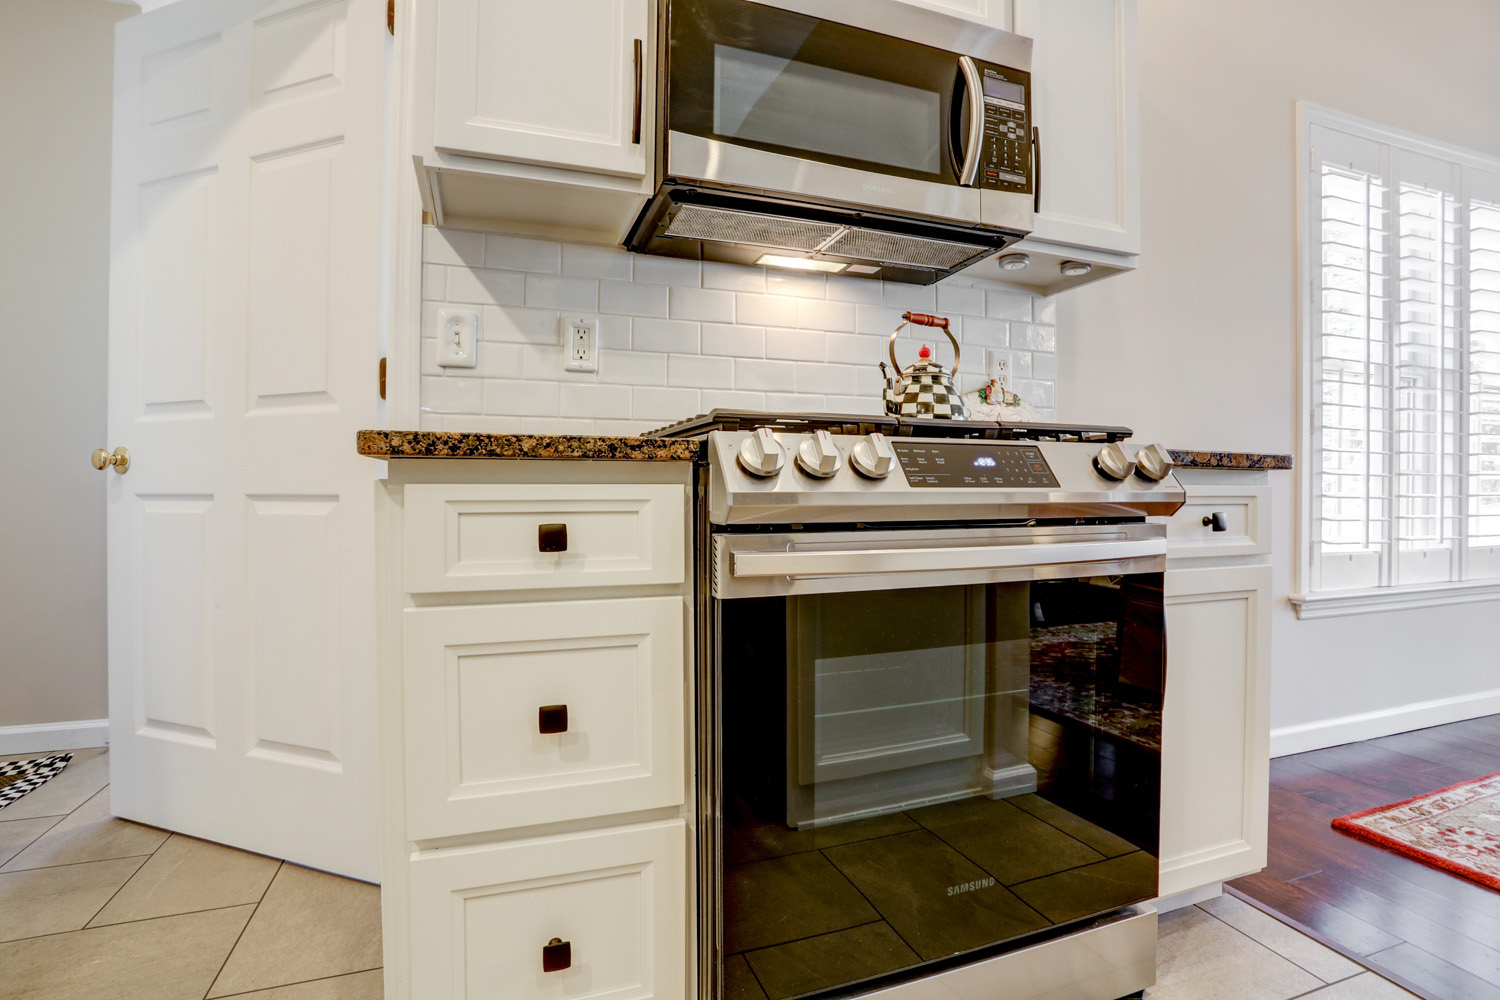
(752, 75)
(912, 775)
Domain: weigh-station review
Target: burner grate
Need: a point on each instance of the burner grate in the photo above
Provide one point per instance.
(854, 423)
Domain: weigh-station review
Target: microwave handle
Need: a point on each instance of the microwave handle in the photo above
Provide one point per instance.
(1036, 167)
(969, 172)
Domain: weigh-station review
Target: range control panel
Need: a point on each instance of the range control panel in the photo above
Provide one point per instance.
(954, 465)
(1005, 163)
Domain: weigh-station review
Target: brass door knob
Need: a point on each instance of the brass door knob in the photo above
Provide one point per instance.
(120, 459)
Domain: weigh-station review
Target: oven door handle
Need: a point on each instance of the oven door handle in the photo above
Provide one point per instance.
(862, 562)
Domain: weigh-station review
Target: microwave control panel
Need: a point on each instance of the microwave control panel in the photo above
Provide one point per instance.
(952, 464)
(1005, 159)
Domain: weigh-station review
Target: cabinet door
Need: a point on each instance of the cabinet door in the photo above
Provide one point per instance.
(1085, 103)
(1215, 726)
(994, 13)
(522, 714)
(561, 83)
(610, 903)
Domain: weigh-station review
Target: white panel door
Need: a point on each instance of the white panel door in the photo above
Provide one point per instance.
(562, 83)
(244, 292)
(1085, 104)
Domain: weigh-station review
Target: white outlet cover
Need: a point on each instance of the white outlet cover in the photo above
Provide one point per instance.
(458, 338)
(580, 343)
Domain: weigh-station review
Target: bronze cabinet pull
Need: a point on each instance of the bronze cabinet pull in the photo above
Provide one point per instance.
(552, 719)
(557, 955)
(552, 537)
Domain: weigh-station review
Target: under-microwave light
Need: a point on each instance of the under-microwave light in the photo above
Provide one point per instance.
(1075, 268)
(801, 263)
(1014, 262)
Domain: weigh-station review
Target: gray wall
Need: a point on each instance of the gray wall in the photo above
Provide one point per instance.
(1198, 348)
(56, 59)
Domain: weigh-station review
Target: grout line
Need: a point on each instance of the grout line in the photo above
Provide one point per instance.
(301, 982)
(240, 936)
(30, 842)
(1283, 955)
(105, 927)
(123, 884)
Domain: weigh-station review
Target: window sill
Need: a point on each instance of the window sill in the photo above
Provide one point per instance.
(1338, 603)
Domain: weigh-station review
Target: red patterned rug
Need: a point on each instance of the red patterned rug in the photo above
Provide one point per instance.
(1456, 829)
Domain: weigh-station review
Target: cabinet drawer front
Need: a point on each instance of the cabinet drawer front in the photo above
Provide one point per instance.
(482, 917)
(1246, 514)
(486, 745)
(488, 537)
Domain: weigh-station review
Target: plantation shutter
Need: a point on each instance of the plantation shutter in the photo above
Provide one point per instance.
(1482, 190)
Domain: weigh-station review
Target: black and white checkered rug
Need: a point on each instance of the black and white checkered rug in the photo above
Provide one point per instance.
(21, 776)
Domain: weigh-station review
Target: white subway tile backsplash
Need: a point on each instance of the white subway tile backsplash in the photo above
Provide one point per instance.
(663, 404)
(452, 246)
(733, 277)
(733, 341)
(486, 286)
(1008, 305)
(764, 310)
(693, 371)
(632, 368)
(571, 294)
(518, 254)
(1031, 337)
(594, 401)
(518, 325)
(595, 262)
(775, 376)
(451, 395)
(820, 314)
(670, 336)
(631, 299)
(677, 337)
(957, 299)
(707, 305)
(668, 271)
(521, 398)
(434, 282)
(798, 283)
(823, 378)
(796, 345)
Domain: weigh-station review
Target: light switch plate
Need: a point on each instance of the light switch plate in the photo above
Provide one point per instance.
(580, 340)
(458, 338)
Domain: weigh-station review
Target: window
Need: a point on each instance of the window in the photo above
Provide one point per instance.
(1402, 333)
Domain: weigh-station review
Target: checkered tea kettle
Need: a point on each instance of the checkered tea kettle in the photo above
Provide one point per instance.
(925, 390)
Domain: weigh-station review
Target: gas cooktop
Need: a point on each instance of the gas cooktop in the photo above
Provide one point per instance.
(890, 426)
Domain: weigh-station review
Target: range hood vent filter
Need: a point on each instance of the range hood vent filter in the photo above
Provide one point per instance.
(776, 232)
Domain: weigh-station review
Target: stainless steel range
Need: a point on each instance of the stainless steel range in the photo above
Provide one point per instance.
(932, 661)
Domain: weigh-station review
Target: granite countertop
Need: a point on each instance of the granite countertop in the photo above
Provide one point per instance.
(1230, 460)
(462, 444)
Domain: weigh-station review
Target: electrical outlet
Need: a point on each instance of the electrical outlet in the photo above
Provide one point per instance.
(580, 337)
(999, 367)
(458, 338)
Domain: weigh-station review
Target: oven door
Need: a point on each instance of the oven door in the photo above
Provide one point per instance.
(780, 100)
(931, 745)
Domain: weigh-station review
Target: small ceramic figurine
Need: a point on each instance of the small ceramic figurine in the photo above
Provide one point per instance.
(995, 402)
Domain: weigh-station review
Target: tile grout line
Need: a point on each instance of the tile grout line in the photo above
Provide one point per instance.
(300, 982)
(238, 937)
(123, 923)
(121, 889)
(1288, 958)
(60, 818)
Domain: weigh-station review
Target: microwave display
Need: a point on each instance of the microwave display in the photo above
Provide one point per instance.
(1004, 89)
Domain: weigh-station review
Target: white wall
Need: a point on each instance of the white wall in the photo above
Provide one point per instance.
(56, 60)
(1217, 368)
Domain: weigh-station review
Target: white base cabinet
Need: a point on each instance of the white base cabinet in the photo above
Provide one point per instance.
(1216, 720)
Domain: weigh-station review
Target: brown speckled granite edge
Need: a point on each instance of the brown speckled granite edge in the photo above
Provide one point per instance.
(460, 444)
(1230, 460)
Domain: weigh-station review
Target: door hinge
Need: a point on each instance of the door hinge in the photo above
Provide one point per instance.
(390, 16)
(382, 378)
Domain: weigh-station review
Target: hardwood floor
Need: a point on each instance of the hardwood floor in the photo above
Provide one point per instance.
(1434, 933)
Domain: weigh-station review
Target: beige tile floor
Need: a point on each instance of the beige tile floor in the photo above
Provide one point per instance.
(94, 907)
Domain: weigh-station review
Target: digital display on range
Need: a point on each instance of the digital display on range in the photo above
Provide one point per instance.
(947, 463)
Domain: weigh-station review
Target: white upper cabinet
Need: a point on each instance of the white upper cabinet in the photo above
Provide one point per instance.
(1085, 102)
(562, 83)
(995, 13)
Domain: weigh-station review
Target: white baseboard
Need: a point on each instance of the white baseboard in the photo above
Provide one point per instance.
(49, 736)
(1386, 722)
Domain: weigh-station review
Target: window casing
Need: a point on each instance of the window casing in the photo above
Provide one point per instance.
(1402, 341)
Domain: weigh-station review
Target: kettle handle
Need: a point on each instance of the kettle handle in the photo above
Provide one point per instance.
(923, 319)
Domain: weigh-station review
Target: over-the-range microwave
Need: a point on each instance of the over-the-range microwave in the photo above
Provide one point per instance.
(865, 137)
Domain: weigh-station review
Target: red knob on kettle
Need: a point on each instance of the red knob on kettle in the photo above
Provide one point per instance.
(924, 353)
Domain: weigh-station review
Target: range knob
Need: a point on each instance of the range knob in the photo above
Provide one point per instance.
(873, 457)
(1152, 463)
(1113, 462)
(761, 454)
(818, 456)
